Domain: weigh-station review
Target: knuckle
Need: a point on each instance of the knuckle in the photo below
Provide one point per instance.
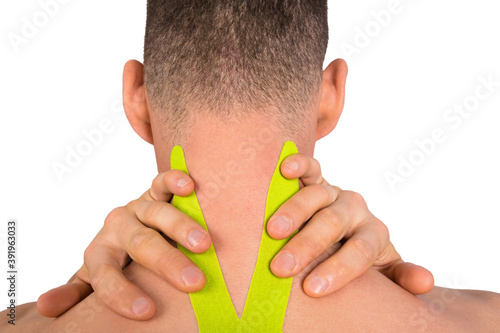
(155, 181)
(109, 287)
(83, 274)
(363, 249)
(329, 193)
(355, 198)
(153, 210)
(331, 219)
(169, 260)
(100, 272)
(311, 246)
(336, 188)
(323, 192)
(88, 253)
(178, 227)
(320, 193)
(160, 179)
(382, 229)
(174, 221)
(97, 246)
(131, 206)
(114, 217)
(142, 239)
(293, 208)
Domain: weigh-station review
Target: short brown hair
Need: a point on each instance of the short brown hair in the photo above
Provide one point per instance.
(229, 57)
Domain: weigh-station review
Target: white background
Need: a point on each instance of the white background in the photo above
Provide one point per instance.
(67, 78)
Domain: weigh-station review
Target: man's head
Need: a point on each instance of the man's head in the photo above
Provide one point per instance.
(230, 59)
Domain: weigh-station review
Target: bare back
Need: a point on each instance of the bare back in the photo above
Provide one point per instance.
(371, 303)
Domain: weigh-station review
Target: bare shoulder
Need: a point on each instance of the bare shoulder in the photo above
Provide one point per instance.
(26, 319)
(473, 310)
(373, 303)
(173, 310)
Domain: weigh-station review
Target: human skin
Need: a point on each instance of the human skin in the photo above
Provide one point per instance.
(370, 303)
(367, 239)
(366, 243)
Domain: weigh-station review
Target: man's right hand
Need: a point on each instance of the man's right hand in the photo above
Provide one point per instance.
(134, 231)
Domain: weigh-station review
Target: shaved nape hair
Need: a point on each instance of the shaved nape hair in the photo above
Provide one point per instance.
(231, 57)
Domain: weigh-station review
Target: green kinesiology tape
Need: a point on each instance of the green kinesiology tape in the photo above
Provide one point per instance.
(267, 297)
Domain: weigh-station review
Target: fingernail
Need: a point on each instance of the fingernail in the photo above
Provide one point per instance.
(285, 261)
(195, 237)
(191, 275)
(141, 306)
(292, 165)
(281, 224)
(182, 182)
(317, 284)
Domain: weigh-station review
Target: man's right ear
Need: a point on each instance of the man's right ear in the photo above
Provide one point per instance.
(135, 99)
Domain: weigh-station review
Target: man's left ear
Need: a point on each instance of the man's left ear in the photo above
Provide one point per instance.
(332, 97)
(135, 100)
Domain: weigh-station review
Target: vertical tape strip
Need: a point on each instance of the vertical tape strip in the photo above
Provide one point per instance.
(267, 297)
(212, 305)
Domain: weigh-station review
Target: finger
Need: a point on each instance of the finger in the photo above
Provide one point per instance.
(82, 274)
(147, 247)
(304, 167)
(173, 223)
(150, 249)
(299, 208)
(167, 183)
(353, 259)
(326, 227)
(113, 288)
(58, 300)
(415, 279)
